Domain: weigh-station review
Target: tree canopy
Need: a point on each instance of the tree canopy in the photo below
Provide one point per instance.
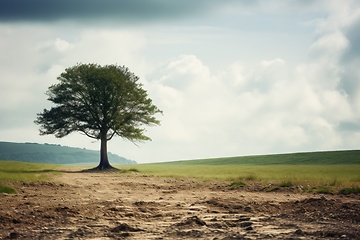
(100, 102)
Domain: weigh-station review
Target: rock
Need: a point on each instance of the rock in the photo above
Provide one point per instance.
(248, 209)
(16, 220)
(123, 227)
(192, 221)
(14, 235)
(250, 228)
(216, 225)
(246, 224)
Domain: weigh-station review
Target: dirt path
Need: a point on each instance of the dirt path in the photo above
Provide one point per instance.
(135, 206)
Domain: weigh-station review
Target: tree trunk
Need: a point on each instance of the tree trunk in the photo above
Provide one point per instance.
(104, 161)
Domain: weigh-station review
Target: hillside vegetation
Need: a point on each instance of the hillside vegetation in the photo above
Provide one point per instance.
(321, 171)
(54, 154)
(305, 158)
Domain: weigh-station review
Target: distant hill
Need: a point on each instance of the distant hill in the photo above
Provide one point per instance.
(303, 158)
(56, 154)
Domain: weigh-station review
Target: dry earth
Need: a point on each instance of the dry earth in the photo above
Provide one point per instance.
(92, 205)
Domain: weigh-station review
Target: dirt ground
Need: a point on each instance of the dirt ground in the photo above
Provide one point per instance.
(88, 205)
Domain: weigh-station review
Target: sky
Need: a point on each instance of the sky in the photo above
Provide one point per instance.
(233, 77)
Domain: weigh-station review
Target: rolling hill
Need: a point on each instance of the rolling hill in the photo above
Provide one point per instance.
(56, 154)
(302, 158)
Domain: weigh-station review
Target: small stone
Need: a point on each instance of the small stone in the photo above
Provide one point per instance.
(250, 228)
(13, 235)
(248, 209)
(246, 224)
(15, 220)
(299, 232)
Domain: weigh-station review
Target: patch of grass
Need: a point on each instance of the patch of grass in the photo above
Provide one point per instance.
(287, 183)
(21, 171)
(250, 177)
(334, 182)
(350, 190)
(322, 189)
(11, 171)
(237, 184)
(6, 189)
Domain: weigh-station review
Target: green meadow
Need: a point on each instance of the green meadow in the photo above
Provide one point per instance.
(314, 175)
(315, 171)
(12, 171)
(337, 171)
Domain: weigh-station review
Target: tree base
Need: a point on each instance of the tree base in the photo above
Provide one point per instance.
(100, 168)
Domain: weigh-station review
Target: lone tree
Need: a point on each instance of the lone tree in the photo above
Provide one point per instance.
(100, 102)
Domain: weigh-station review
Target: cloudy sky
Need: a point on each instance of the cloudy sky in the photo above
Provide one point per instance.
(233, 77)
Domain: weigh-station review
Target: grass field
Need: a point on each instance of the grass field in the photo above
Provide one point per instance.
(322, 174)
(12, 171)
(317, 171)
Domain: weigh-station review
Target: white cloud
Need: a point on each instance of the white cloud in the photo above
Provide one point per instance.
(185, 72)
(330, 45)
(56, 44)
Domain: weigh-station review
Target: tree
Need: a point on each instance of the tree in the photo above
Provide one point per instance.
(100, 102)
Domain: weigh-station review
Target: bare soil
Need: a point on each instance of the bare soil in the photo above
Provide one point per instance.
(90, 205)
